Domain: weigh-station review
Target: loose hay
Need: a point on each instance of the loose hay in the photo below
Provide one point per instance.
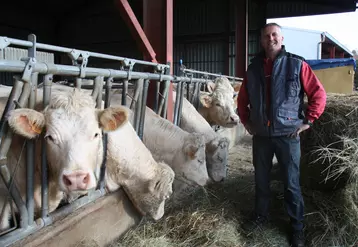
(330, 164)
(212, 216)
(327, 146)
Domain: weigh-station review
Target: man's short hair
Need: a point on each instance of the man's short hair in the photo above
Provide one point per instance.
(270, 25)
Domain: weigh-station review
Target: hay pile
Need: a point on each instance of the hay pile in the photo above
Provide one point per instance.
(329, 149)
(330, 164)
(212, 216)
(209, 216)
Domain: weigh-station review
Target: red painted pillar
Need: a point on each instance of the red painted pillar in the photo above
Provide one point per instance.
(332, 51)
(136, 30)
(341, 54)
(241, 37)
(158, 27)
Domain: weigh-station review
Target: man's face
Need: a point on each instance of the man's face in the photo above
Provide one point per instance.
(271, 39)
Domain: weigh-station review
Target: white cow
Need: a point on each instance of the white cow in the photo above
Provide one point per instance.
(73, 130)
(216, 146)
(217, 105)
(183, 151)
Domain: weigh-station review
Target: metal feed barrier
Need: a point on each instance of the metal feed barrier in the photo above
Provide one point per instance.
(24, 94)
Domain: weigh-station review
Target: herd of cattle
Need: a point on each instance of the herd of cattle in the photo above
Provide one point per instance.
(168, 159)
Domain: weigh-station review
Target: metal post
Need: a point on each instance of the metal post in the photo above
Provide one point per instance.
(101, 183)
(177, 99)
(181, 101)
(30, 145)
(44, 169)
(14, 94)
(124, 92)
(139, 87)
(156, 98)
(164, 100)
(143, 108)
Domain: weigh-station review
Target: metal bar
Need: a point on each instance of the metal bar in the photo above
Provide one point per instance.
(137, 90)
(41, 46)
(14, 94)
(140, 84)
(30, 144)
(176, 107)
(188, 91)
(5, 174)
(101, 183)
(181, 101)
(212, 74)
(124, 92)
(197, 93)
(164, 99)
(44, 169)
(25, 94)
(19, 234)
(194, 96)
(78, 83)
(97, 91)
(114, 86)
(143, 109)
(68, 70)
(156, 98)
(62, 212)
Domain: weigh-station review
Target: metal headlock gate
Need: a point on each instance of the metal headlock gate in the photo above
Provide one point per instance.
(24, 93)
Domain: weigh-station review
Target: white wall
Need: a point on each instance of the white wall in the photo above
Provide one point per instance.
(302, 42)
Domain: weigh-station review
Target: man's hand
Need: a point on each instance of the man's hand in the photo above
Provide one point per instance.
(303, 127)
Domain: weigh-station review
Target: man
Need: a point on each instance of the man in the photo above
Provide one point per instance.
(270, 106)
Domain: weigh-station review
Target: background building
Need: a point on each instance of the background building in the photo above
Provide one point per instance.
(312, 44)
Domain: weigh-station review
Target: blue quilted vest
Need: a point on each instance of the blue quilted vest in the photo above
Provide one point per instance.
(285, 112)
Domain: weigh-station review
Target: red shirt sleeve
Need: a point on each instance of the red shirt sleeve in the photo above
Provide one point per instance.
(315, 93)
(243, 103)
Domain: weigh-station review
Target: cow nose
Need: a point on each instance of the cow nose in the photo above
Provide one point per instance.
(76, 180)
(233, 119)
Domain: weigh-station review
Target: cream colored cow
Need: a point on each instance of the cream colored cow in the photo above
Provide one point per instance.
(217, 105)
(216, 146)
(183, 151)
(73, 134)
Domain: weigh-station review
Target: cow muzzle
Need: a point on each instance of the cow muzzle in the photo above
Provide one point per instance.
(78, 180)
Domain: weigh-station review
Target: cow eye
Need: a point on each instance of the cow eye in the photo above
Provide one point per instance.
(49, 138)
(96, 135)
(217, 104)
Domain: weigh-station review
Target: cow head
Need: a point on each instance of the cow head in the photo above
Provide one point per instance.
(216, 158)
(218, 104)
(190, 164)
(149, 198)
(72, 129)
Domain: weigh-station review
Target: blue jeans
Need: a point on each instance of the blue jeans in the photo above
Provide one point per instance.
(288, 154)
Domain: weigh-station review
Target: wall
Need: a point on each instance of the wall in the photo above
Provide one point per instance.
(302, 42)
(204, 34)
(337, 80)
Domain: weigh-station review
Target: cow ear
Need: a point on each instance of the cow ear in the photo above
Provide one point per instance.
(191, 151)
(26, 122)
(211, 86)
(205, 99)
(112, 118)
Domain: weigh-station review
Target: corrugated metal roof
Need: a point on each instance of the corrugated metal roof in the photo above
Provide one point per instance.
(280, 9)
